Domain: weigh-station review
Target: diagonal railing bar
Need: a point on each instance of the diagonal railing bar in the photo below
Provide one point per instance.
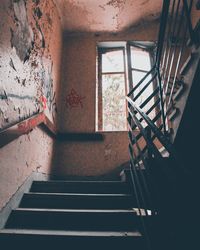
(148, 131)
(150, 144)
(161, 137)
(159, 134)
(154, 120)
(152, 138)
(145, 87)
(154, 94)
(141, 81)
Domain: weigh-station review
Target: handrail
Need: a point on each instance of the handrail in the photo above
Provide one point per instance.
(162, 138)
(40, 119)
(25, 126)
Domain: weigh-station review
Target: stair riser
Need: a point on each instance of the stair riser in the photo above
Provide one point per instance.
(98, 188)
(73, 221)
(87, 202)
(9, 242)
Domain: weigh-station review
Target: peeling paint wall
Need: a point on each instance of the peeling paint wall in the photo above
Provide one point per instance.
(79, 83)
(30, 45)
(106, 15)
(30, 59)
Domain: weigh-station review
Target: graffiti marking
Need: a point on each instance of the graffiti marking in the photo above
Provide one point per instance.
(74, 100)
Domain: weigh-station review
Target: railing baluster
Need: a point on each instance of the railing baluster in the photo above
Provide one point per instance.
(152, 132)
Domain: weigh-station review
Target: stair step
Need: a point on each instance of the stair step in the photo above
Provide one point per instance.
(88, 201)
(49, 239)
(59, 219)
(80, 187)
(174, 113)
(179, 92)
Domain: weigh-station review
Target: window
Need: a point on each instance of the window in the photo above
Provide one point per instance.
(112, 91)
(140, 65)
(112, 82)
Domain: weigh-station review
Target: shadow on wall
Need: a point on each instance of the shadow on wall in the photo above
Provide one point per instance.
(90, 158)
(18, 159)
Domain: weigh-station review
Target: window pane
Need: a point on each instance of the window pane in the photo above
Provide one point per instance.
(140, 59)
(113, 61)
(114, 102)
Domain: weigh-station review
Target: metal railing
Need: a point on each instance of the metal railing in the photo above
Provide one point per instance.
(148, 136)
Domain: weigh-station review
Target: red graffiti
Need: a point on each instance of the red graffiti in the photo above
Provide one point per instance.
(22, 127)
(74, 100)
(28, 125)
(43, 100)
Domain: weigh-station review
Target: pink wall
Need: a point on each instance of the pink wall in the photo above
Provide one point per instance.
(29, 70)
(79, 75)
(18, 159)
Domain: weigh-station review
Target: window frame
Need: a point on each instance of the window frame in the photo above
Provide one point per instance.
(147, 46)
(101, 51)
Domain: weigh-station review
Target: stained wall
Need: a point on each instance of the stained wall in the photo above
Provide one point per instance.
(30, 56)
(79, 82)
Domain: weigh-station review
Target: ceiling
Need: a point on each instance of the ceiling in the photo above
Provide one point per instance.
(106, 15)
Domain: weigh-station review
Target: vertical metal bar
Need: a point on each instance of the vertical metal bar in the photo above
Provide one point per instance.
(146, 188)
(138, 184)
(171, 36)
(176, 70)
(163, 24)
(128, 48)
(189, 23)
(161, 102)
(168, 34)
(173, 55)
(100, 95)
(144, 229)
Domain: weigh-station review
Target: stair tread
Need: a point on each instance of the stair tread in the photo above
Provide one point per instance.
(72, 233)
(85, 220)
(78, 194)
(77, 210)
(77, 200)
(81, 182)
(98, 187)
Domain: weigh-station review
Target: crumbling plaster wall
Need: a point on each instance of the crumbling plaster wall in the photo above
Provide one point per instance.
(79, 83)
(30, 47)
(30, 57)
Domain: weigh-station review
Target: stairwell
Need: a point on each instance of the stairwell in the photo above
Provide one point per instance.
(110, 214)
(73, 215)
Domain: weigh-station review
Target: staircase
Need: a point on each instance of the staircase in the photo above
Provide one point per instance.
(74, 215)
